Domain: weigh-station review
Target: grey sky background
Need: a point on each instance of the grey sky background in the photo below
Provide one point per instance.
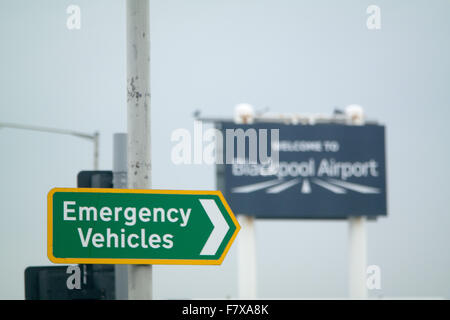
(290, 56)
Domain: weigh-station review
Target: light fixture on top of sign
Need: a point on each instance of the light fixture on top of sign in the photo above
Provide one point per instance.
(355, 114)
(244, 113)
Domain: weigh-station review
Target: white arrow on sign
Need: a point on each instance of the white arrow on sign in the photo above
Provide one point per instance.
(220, 227)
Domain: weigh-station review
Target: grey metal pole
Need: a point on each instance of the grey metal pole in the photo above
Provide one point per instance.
(120, 182)
(138, 115)
(120, 160)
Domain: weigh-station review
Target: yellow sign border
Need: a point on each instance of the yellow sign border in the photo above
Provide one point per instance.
(134, 261)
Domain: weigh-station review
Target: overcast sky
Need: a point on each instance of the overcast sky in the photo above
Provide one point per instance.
(288, 55)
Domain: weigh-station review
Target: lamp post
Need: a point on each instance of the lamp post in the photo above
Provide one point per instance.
(92, 137)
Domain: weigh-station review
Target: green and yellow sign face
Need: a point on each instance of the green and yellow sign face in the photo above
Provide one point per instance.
(124, 226)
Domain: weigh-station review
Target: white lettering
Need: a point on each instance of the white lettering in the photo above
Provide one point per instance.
(185, 216)
(67, 210)
(84, 240)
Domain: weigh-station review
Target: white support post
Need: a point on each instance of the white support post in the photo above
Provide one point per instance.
(247, 258)
(357, 257)
(357, 231)
(138, 115)
(246, 242)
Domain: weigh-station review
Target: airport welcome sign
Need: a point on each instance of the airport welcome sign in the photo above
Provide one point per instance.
(126, 226)
(322, 171)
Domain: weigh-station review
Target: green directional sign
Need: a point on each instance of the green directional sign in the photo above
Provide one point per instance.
(125, 226)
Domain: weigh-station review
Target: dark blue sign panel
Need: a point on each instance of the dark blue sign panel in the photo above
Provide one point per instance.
(324, 171)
